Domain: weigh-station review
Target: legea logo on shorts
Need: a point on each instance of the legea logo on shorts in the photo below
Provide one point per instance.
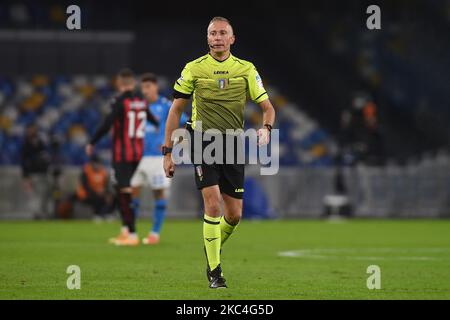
(214, 147)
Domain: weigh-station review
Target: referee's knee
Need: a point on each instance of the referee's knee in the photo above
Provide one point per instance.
(212, 206)
(233, 218)
(212, 209)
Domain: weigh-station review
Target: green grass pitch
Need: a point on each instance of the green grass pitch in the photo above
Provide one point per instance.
(293, 259)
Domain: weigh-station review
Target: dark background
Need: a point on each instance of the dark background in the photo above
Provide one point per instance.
(317, 53)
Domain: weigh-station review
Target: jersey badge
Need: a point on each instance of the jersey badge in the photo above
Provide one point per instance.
(259, 81)
(223, 83)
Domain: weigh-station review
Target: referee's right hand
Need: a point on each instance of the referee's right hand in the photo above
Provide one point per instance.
(169, 166)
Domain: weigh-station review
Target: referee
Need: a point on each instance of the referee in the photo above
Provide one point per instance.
(219, 84)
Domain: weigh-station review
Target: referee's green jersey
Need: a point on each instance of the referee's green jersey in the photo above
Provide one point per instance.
(220, 90)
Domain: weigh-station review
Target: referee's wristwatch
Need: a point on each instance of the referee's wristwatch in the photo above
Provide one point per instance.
(165, 150)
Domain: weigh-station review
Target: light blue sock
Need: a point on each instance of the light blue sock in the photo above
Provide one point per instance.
(158, 215)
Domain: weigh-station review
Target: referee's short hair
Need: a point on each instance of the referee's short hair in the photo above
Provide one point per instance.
(218, 18)
(149, 77)
(223, 19)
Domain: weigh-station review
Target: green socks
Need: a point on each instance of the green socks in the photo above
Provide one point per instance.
(211, 238)
(226, 229)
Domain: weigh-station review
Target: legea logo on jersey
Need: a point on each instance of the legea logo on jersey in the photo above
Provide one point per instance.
(223, 83)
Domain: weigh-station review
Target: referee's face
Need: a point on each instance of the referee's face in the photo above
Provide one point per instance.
(220, 37)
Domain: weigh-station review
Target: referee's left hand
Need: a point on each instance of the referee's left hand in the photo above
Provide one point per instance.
(263, 136)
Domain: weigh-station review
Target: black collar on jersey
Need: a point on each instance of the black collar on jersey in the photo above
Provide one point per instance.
(229, 56)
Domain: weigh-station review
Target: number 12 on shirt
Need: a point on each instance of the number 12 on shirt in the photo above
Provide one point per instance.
(136, 124)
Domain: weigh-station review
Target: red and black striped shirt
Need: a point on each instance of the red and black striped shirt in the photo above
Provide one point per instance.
(128, 116)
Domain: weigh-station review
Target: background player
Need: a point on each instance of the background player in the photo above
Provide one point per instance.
(150, 171)
(93, 188)
(219, 83)
(128, 117)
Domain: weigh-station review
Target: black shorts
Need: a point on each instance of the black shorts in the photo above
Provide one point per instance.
(229, 177)
(123, 172)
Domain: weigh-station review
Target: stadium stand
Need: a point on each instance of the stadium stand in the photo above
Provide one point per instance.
(320, 54)
(69, 109)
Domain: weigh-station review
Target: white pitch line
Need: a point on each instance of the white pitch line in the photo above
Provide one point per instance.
(331, 253)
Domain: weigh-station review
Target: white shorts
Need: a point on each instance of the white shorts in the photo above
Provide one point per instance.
(150, 172)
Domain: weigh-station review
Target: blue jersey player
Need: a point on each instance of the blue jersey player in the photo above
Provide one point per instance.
(150, 171)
